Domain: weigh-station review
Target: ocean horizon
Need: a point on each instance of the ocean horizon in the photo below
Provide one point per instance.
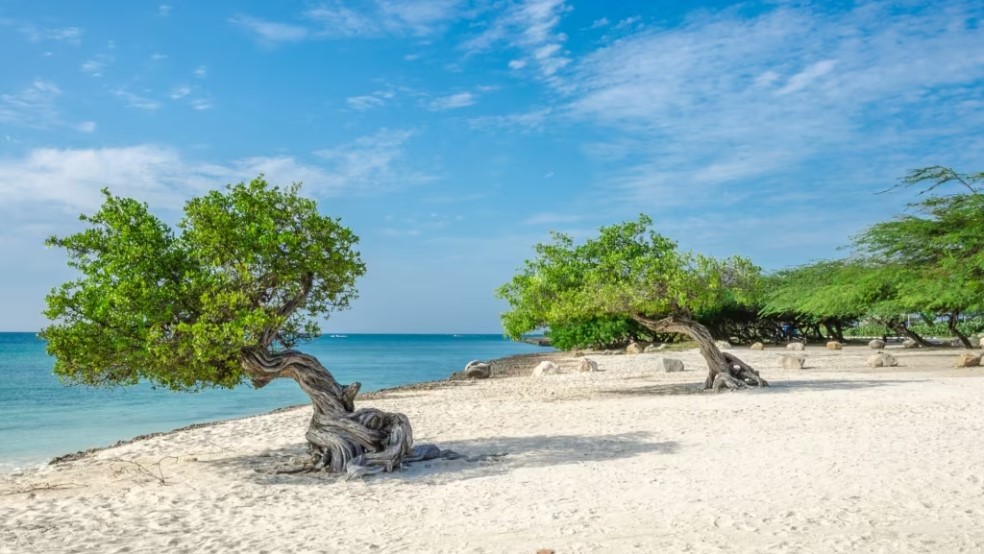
(40, 417)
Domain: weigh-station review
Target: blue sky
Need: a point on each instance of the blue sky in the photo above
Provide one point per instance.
(452, 135)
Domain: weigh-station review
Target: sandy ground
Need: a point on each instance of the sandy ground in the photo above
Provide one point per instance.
(832, 458)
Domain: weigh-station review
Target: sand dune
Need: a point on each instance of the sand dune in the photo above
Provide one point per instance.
(833, 458)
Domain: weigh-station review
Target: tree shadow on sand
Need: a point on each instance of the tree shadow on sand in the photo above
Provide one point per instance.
(480, 458)
(775, 387)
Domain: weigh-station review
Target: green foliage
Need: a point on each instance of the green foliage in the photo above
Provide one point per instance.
(628, 269)
(928, 261)
(253, 266)
(840, 289)
(599, 332)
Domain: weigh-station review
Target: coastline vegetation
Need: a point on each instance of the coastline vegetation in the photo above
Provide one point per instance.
(919, 274)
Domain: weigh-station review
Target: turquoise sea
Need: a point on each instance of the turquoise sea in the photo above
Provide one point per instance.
(40, 417)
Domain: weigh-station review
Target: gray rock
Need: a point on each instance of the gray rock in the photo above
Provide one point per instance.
(909, 343)
(797, 346)
(476, 369)
(634, 348)
(757, 346)
(982, 342)
(968, 359)
(545, 368)
(587, 364)
(722, 344)
(669, 365)
(876, 344)
(881, 360)
(788, 361)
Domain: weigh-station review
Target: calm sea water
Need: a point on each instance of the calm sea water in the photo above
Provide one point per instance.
(40, 417)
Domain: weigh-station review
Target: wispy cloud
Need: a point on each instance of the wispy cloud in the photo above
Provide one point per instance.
(164, 10)
(452, 101)
(370, 101)
(70, 35)
(201, 104)
(165, 178)
(728, 98)
(530, 26)
(32, 106)
(270, 32)
(180, 92)
(200, 72)
(36, 106)
(138, 101)
(533, 120)
(95, 65)
(371, 19)
(375, 162)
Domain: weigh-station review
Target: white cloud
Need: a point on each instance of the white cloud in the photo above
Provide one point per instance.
(383, 18)
(95, 65)
(200, 72)
(376, 162)
(270, 32)
(598, 23)
(164, 178)
(452, 101)
(810, 74)
(529, 121)
(164, 10)
(627, 22)
(364, 103)
(370, 101)
(70, 35)
(33, 106)
(201, 104)
(138, 101)
(180, 92)
(726, 98)
(530, 26)
(371, 19)
(517, 64)
(158, 57)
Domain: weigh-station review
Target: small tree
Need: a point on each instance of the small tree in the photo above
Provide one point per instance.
(223, 302)
(629, 270)
(940, 245)
(843, 290)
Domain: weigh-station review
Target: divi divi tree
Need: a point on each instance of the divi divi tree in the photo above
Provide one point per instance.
(221, 300)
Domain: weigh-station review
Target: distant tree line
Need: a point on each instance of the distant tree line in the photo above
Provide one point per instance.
(918, 274)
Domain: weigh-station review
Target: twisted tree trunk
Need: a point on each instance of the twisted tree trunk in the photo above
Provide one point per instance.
(901, 328)
(952, 321)
(340, 438)
(723, 369)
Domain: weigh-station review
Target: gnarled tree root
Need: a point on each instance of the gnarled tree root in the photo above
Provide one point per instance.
(736, 375)
(725, 370)
(340, 438)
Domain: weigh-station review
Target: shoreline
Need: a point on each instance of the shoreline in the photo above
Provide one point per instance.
(833, 457)
(502, 368)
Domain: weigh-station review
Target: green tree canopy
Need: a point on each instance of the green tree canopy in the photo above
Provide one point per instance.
(929, 261)
(253, 266)
(628, 270)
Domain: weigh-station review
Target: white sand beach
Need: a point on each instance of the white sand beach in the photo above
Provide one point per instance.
(831, 458)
